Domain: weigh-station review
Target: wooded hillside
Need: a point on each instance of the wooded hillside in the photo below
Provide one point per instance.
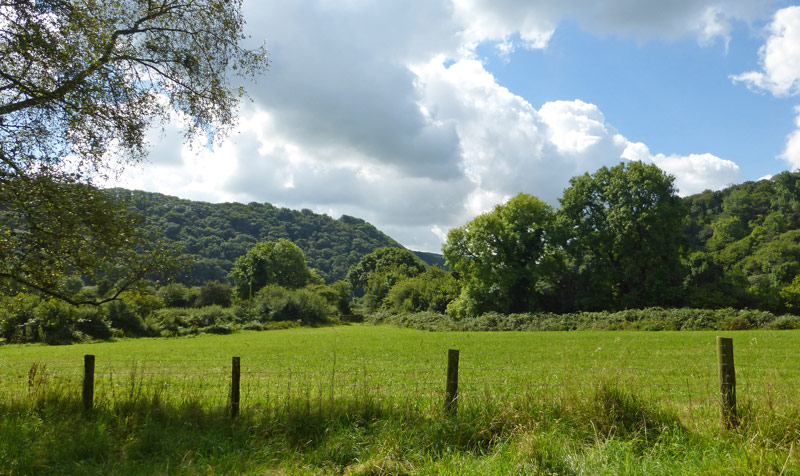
(741, 247)
(213, 235)
(745, 243)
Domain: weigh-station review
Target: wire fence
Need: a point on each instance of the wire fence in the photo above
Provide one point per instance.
(423, 383)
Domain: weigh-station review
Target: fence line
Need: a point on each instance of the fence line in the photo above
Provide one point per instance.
(462, 378)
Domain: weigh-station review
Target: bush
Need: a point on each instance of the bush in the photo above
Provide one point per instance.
(167, 322)
(175, 321)
(91, 321)
(215, 293)
(305, 306)
(212, 315)
(785, 322)
(15, 315)
(432, 291)
(337, 295)
(176, 295)
(276, 303)
(253, 326)
(217, 329)
(259, 326)
(123, 316)
(268, 300)
(55, 320)
(654, 319)
(72, 285)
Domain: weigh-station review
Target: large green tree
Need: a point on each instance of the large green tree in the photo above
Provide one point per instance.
(278, 262)
(505, 258)
(623, 230)
(81, 81)
(377, 272)
(433, 290)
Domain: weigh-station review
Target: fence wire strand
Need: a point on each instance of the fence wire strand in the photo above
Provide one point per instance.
(275, 380)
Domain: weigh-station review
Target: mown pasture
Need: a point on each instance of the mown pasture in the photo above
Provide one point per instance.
(368, 400)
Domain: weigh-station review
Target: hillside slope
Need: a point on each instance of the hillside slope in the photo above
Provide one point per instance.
(745, 244)
(213, 235)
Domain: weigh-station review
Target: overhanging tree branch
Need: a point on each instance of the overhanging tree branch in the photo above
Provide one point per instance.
(77, 77)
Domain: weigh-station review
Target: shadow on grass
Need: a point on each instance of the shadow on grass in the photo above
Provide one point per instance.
(52, 435)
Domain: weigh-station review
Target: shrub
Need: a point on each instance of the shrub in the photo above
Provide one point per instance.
(433, 290)
(167, 322)
(253, 326)
(268, 300)
(122, 315)
(343, 295)
(302, 305)
(276, 303)
(643, 319)
(212, 315)
(92, 322)
(337, 295)
(143, 303)
(72, 285)
(258, 326)
(55, 320)
(15, 315)
(175, 295)
(215, 293)
(176, 321)
(785, 322)
(217, 329)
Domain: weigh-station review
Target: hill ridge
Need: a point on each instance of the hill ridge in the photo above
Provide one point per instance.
(213, 235)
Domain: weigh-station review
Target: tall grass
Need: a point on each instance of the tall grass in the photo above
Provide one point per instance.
(369, 400)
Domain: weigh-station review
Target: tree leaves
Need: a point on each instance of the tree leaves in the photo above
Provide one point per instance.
(506, 258)
(278, 262)
(80, 83)
(624, 236)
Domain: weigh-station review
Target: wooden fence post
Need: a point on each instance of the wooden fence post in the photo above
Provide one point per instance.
(88, 382)
(451, 397)
(235, 377)
(727, 382)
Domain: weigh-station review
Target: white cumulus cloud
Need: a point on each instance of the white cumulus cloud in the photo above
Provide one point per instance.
(780, 57)
(693, 173)
(535, 22)
(381, 110)
(791, 154)
(509, 146)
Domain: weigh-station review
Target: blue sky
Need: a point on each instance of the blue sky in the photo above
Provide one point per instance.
(675, 96)
(417, 115)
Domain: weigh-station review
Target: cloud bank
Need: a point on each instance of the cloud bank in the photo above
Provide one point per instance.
(780, 70)
(382, 110)
(779, 57)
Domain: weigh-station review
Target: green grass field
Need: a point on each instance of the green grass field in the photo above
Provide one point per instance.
(368, 400)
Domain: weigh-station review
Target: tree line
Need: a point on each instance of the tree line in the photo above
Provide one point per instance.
(620, 239)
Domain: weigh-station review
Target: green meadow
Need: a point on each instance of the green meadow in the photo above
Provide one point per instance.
(367, 399)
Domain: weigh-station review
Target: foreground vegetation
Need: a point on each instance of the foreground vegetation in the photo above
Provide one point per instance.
(650, 319)
(368, 400)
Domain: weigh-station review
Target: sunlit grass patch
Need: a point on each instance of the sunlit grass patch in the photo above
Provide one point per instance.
(369, 400)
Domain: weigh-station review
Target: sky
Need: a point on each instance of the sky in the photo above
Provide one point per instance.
(418, 115)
